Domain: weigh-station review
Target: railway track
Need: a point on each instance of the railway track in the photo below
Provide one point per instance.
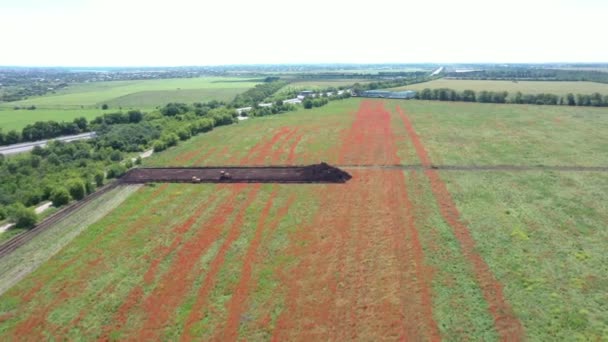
(9, 246)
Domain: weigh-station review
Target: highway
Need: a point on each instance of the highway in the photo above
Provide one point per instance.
(24, 147)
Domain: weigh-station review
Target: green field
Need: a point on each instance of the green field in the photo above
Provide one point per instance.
(413, 253)
(526, 87)
(140, 94)
(86, 99)
(17, 119)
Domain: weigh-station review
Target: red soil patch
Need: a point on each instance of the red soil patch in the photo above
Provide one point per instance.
(171, 289)
(178, 232)
(35, 324)
(279, 150)
(203, 157)
(239, 295)
(505, 321)
(237, 304)
(38, 318)
(197, 312)
(258, 153)
(360, 273)
(187, 156)
(292, 150)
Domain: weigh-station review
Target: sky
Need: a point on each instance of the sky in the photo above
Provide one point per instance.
(196, 32)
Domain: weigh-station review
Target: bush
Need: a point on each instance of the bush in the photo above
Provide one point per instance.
(138, 160)
(59, 197)
(116, 171)
(159, 145)
(184, 134)
(23, 217)
(89, 186)
(2, 213)
(170, 139)
(77, 189)
(99, 177)
(115, 156)
(307, 103)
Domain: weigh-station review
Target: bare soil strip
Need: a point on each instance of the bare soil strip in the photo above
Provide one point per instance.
(506, 323)
(318, 173)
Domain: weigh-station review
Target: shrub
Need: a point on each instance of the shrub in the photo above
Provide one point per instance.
(59, 197)
(170, 139)
(89, 186)
(99, 177)
(184, 134)
(22, 216)
(159, 145)
(116, 171)
(77, 189)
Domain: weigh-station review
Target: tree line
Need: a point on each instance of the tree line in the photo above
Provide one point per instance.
(532, 74)
(446, 94)
(42, 130)
(62, 172)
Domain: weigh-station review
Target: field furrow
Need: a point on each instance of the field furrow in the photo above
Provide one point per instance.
(506, 323)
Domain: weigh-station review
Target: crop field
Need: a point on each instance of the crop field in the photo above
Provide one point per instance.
(142, 94)
(401, 251)
(526, 87)
(17, 119)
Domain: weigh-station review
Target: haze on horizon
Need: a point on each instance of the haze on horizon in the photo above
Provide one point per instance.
(192, 32)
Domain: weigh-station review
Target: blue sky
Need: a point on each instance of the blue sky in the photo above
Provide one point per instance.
(194, 32)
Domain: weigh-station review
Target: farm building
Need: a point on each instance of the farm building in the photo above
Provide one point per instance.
(408, 94)
(306, 93)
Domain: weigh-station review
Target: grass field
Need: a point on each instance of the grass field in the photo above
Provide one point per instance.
(393, 254)
(17, 119)
(86, 99)
(526, 87)
(140, 94)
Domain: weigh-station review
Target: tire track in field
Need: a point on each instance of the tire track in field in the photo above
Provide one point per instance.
(237, 304)
(29, 295)
(171, 289)
(257, 154)
(196, 313)
(506, 323)
(37, 320)
(292, 150)
(279, 151)
(204, 156)
(353, 279)
(187, 156)
(263, 148)
(179, 233)
(93, 265)
(136, 295)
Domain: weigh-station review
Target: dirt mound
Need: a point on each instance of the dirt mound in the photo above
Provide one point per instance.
(324, 172)
(317, 173)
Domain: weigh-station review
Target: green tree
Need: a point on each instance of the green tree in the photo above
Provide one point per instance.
(99, 178)
(12, 137)
(104, 106)
(116, 171)
(22, 216)
(570, 99)
(77, 189)
(159, 145)
(60, 196)
(308, 104)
